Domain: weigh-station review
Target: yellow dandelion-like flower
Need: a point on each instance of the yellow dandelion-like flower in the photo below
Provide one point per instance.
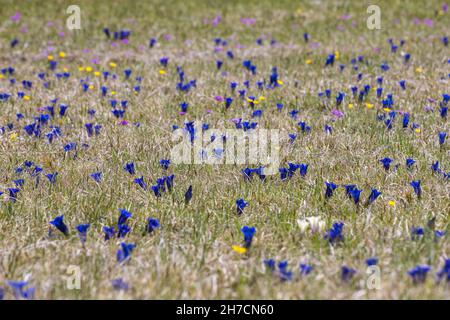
(369, 105)
(81, 69)
(91, 87)
(13, 137)
(391, 203)
(113, 92)
(88, 69)
(262, 98)
(239, 249)
(387, 110)
(417, 130)
(97, 73)
(419, 70)
(350, 105)
(112, 64)
(26, 98)
(280, 82)
(50, 57)
(250, 100)
(65, 70)
(309, 61)
(162, 72)
(337, 55)
(62, 54)
(1, 76)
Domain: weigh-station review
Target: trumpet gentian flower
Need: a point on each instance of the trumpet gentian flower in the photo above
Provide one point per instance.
(124, 252)
(82, 231)
(59, 224)
(417, 188)
(419, 273)
(240, 205)
(248, 233)
(152, 224)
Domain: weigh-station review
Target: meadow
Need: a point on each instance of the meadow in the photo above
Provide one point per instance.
(359, 209)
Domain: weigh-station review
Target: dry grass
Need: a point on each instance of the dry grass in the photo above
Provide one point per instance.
(190, 256)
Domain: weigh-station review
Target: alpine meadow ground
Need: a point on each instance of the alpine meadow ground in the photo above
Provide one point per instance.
(357, 209)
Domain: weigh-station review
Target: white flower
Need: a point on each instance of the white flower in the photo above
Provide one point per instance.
(316, 224)
(303, 224)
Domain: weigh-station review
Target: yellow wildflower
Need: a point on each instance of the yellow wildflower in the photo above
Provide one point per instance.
(62, 54)
(162, 72)
(369, 105)
(239, 249)
(13, 137)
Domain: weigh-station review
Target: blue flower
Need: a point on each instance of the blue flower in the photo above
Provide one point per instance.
(373, 196)
(129, 167)
(19, 182)
(52, 177)
(283, 173)
(169, 182)
(123, 217)
(97, 176)
(164, 163)
(20, 291)
(127, 73)
(417, 232)
(303, 169)
(140, 182)
(330, 188)
(109, 232)
(329, 60)
(444, 273)
(248, 233)
(123, 230)
(305, 269)
(349, 188)
(355, 194)
(119, 284)
(402, 84)
(283, 272)
(405, 121)
(164, 61)
(240, 205)
(124, 252)
(419, 273)
(417, 188)
(70, 146)
(386, 163)
(58, 222)
(443, 111)
(82, 231)
(156, 190)
(184, 106)
(371, 262)
(335, 233)
(347, 273)
(410, 162)
(442, 136)
(435, 167)
(188, 195)
(152, 224)
(269, 263)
